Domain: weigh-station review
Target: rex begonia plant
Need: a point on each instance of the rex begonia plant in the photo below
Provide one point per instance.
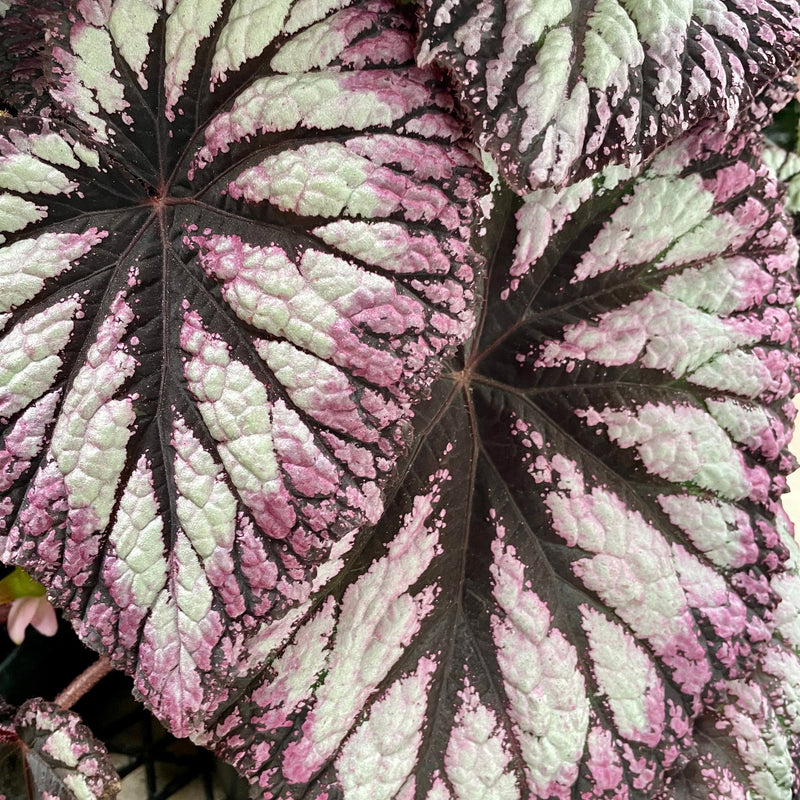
(383, 479)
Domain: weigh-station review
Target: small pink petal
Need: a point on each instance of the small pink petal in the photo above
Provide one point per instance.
(22, 612)
(44, 620)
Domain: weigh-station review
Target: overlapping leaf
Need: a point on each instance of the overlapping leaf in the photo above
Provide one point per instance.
(59, 755)
(234, 249)
(558, 89)
(586, 586)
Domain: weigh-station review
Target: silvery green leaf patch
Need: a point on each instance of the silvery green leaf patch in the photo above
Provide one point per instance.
(242, 238)
(234, 248)
(49, 754)
(559, 89)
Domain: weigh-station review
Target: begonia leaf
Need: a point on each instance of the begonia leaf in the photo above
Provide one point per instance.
(24, 57)
(56, 757)
(586, 587)
(233, 251)
(557, 89)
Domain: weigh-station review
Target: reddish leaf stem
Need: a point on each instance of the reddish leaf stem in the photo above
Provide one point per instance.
(84, 683)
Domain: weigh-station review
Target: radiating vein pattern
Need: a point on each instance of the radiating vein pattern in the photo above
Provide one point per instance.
(230, 264)
(636, 426)
(559, 89)
(586, 586)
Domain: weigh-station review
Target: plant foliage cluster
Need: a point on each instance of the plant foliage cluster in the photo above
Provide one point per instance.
(400, 395)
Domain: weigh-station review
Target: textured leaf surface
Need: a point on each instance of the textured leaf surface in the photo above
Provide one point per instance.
(557, 89)
(234, 251)
(61, 757)
(586, 587)
(786, 166)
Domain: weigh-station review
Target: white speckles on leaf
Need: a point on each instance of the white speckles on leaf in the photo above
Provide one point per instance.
(206, 508)
(760, 430)
(783, 665)
(130, 24)
(177, 641)
(378, 619)
(526, 21)
(59, 746)
(16, 213)
(252, 25)
(376, 760)
(722, 286)
(295, 671)
(94, 67)
(545, 689)
(552, 110)
(477, 758)
(655, 216)
(387, 245)
(306, 12)
(681, 443)
(23, 173)
(29, 355)
(89, 86)
(317, 387)
(656, 331)
(315, 180)
(319, 44)
(787, 614)
(662, 26)
(90, 437)
(627, 677)
(329, 180)
(611, 49)
(633, 572)
(234, 405)
(26, 439)
(759, 740)
(721, 531)
(743, 372)
(544, 89)
(137, 540)
(27, 264)
(50, 147)
(321, 100)
(187, 25)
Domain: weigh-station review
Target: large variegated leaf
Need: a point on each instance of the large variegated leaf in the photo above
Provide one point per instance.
(234, 249)
(49, 754)
(585, 587)
(558, 89)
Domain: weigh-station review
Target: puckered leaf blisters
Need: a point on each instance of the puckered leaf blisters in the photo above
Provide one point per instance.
(229, 269)
(586, 579)
(558, 90)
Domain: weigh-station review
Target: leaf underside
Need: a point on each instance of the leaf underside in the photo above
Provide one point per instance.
(558, 89)
(235, 247)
